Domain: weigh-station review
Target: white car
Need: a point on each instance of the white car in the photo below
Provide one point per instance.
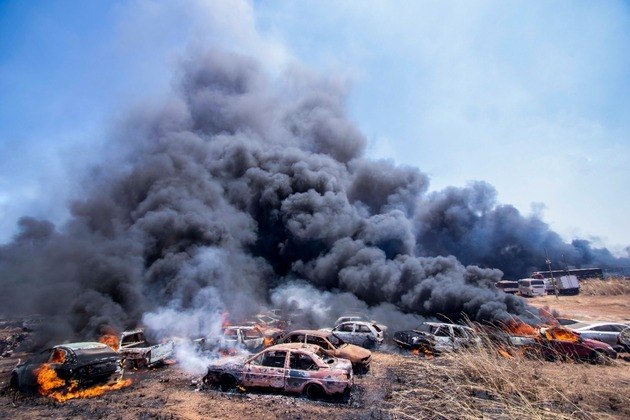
(606, 332)
(362, 333)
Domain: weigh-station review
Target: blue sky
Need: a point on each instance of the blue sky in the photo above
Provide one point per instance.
(533, 97)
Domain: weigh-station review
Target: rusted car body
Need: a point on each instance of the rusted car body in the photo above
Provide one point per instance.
(86, 363)
(136, 350)
(293, 367)
(332, 346)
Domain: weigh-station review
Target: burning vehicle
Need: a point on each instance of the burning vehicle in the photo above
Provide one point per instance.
(564, 343)
(293, 368)
(332, 346)
(273, 319)
(136, 350)
(555, 342)
(248, 337)
(436, 337)
(362, 333)
(74, 365)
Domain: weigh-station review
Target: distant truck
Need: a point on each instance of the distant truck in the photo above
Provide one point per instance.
(508, 286)
(136, 350)
(567, 284)
(531, 287)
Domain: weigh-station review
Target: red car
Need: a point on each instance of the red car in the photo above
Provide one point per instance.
(561, 342)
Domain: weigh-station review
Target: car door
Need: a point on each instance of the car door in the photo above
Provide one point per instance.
(604, 333)
(460, 337)
(443, 341)
(266, 371)
(301, 369)
(345, 332)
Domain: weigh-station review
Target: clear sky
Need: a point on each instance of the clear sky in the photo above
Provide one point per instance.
(533, 97)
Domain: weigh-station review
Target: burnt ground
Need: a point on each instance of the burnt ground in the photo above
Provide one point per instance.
(398, 386)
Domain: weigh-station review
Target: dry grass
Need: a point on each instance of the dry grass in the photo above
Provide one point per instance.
(478, 382)
(608, 287)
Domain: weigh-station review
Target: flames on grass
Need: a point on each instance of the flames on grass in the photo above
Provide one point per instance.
(52, 386)
(422, 351)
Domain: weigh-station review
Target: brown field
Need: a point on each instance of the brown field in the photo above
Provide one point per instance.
(469, 384)
(587, 308)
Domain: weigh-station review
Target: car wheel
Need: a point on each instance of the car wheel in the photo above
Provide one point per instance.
(227, 382)
(597, 357)
(313, 391)
(14, 383)
(368, 343)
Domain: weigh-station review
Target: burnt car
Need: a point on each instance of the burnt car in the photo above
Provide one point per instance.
(332, 346)
(559, 342)
(251, 338)
(362, 333)
(292, 367)
(86, 363)
(436, 337)
(139, 352)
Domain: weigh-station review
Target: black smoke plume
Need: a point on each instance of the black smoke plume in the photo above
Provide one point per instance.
(244, 192)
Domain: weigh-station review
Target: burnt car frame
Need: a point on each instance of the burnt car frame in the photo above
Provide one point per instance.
(362, 333)
(86, 363)
(333, 346)
(293, 368)
(436, 337)
(251, 338)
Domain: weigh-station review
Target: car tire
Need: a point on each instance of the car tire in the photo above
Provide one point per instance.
(369, 344)
(227, 382)
(313, 391)
(14, 383)
(597, 357)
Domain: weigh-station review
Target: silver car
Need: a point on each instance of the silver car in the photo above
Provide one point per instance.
(362, 333)
(606, 332)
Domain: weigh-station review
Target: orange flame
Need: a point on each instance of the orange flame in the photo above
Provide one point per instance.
(58, 356)
(111, 340)
(268, 341)
(504, 353)
(225, 319)
(520, 328)
(47, 379)
(423, 351)
(50, 385)
(561, 334)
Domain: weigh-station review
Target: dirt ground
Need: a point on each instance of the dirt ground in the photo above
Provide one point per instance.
(398, 386)
(587, 308)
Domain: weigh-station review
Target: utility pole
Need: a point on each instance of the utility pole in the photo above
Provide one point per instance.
(553, 280)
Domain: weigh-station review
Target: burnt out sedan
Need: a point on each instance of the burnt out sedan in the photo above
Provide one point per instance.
(292, 367)
(332, 346)
(86, 363)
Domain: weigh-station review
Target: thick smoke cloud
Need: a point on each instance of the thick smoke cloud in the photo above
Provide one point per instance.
(243, 193)
(469, 224)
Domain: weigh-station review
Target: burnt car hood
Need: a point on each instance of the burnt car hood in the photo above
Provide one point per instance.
(228, 363)
(352, 352)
